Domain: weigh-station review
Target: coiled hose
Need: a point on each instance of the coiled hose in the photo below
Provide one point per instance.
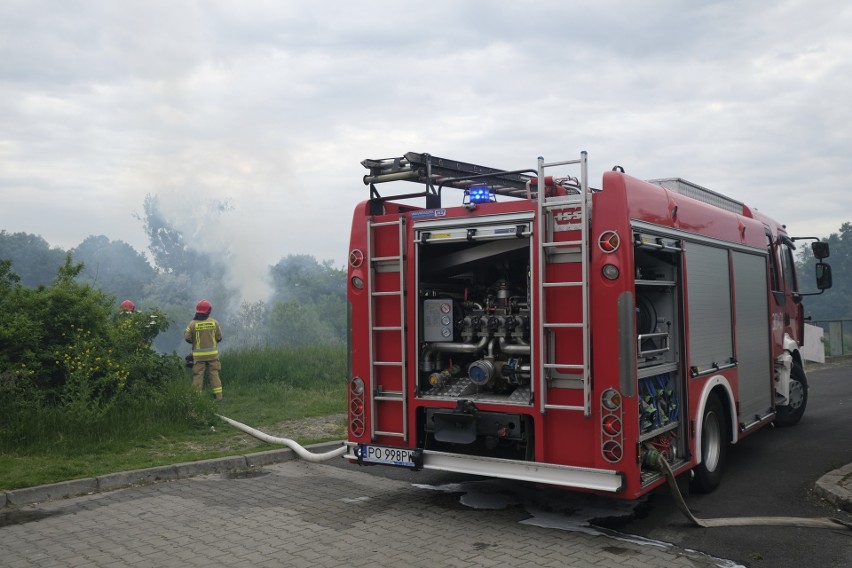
(298, 449)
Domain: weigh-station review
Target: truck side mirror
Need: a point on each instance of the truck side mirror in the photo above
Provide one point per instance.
(823, 276)
(820, 250)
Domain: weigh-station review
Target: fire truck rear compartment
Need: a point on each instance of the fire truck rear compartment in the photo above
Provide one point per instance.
(474, 308)
(474, 338)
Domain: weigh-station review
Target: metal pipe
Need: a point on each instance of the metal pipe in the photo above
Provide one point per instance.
(511, 349)
(368, 179)
(448, 347)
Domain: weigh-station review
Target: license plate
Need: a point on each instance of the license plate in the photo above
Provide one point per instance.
(388, 456)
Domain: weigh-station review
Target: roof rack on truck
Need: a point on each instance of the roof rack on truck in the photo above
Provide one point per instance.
(436, 173)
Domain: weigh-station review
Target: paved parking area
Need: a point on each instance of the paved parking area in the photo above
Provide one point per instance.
(301, 515)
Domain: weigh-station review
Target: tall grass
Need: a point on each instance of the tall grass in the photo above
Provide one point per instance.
(263, 386)
(42, 444)
(64, 430)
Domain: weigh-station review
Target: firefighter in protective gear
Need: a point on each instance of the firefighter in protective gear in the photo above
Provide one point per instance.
(204, 333)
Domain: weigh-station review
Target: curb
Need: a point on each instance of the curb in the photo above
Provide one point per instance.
(835, 487)
(122, 479)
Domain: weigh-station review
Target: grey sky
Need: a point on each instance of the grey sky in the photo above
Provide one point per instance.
(252, 117)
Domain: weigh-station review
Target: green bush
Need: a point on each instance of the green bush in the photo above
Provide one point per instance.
(83, 393)
(68, 358)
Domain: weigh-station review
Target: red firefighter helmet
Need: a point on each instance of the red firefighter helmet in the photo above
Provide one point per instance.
(127, 306)
(204, 307)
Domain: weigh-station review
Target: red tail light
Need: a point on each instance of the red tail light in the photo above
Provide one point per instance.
(612, 425)
(356, 407)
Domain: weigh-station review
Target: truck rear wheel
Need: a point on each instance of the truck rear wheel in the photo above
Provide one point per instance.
(714, 446)
(791, 413)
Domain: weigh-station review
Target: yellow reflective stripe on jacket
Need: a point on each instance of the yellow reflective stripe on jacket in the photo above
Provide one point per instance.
(208, 328)
(203, 352)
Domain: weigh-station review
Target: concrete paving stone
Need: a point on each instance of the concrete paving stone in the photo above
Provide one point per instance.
(488, 562)
(300, 520)
(133, 558)
(51, 564)
(242, 564)
(53, 549)
(14, 559)
(77, 545)
(182, 540)
(683, 562)
(357, 561)
(253, 556)
(265, 549)
(78, 561)
(98, 557)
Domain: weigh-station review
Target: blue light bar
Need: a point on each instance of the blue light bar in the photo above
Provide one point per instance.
(480, 194)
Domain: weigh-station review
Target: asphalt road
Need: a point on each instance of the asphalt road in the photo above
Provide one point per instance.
(770, 473)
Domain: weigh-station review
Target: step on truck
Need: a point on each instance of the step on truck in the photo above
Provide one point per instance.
(546, 331)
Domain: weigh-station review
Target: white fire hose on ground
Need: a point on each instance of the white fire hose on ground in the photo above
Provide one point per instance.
(300, 450)
(816, 523)
(820, 523)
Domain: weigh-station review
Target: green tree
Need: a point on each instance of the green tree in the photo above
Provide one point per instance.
(184, 275)
(308, 301)
(32, 258)
(114, 267)
(20, 333)
(835, 303)
(171, 252)
(296, 323)
(300, 277)
(248, 326)
(63, 345)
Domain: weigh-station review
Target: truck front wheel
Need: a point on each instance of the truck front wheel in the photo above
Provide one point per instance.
(714, 446)
(791, 413)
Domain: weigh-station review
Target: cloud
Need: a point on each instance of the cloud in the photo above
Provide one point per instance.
(270, 107)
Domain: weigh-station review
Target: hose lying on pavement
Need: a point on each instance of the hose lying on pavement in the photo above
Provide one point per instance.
(817, 523)
(300, 450)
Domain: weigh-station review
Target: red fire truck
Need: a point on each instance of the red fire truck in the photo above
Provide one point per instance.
(547, 331)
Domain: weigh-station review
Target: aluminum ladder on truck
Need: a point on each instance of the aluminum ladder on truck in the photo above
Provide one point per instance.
(577, 208)
(390, 263)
